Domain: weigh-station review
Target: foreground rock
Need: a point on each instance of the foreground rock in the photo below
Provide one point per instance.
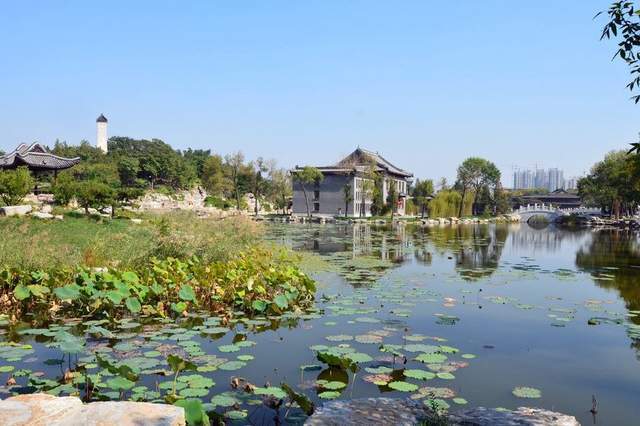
(390, 411)
(523, 416)
(15, 210)
(47, 410)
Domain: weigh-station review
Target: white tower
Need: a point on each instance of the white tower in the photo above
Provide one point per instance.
(101, 139)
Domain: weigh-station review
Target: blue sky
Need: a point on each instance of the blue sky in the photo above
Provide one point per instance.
(425, 83)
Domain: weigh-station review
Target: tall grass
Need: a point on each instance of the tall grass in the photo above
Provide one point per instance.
(34, 244)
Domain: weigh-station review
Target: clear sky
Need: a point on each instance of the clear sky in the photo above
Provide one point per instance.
(426, 83)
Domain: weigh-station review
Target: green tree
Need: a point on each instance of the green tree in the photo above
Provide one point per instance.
(213, 176)
(15, 185)
(624, 24)
(197, 158)
(279, 188)
(613, 184)
(445, 203)
(306, 176)
(258, 183)
(421, 193)
(128, 170)
(64, 189)
(234, 169)
(392, 197)
(347, 192)
(94, 194)
(477, 175)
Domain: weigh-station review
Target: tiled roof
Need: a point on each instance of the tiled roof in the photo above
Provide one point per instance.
(35, 157)
(362, 157)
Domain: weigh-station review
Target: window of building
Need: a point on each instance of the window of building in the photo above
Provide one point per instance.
(316, 207)
(316, 194)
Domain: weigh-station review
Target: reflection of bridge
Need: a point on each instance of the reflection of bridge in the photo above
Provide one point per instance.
(553, 213)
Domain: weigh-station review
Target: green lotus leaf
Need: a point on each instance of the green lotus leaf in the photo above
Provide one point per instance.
(526, 392)
(419, 374)
(403, 386)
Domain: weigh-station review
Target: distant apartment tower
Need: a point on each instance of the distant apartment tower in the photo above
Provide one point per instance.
(523, 179)
(571, 183)
(550, 179)
(556, 179)
(101, 138)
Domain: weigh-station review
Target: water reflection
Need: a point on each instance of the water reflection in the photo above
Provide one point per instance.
(613, 259)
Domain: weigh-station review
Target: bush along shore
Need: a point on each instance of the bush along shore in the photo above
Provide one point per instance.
(259, 280)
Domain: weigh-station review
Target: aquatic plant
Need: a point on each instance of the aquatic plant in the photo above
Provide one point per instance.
(258, 280)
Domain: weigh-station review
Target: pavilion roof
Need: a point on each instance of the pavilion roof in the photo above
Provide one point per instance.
(35, 157)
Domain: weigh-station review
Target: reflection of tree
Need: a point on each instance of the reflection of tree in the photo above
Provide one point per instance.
(548, 239)
(476, 249)
(613, 259)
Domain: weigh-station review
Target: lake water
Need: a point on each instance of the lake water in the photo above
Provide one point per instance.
(453, 315)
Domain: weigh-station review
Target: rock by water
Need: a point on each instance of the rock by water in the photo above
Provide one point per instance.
(401, 412)
(47, 410)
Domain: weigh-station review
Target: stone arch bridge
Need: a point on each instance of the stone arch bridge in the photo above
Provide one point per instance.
(553, 213)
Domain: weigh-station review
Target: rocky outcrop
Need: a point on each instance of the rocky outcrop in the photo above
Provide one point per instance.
(390, 411)
(15, 210)
(523, 416)
(48, 410)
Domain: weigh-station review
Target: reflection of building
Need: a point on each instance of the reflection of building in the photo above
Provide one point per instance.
(350, 175)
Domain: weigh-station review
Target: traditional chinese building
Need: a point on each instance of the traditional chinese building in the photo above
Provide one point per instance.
(37, 159)
(352, 175)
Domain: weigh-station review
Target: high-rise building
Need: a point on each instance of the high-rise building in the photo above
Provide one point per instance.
(550, 179)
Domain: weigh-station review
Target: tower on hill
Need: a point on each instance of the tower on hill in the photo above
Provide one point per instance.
(101, 139)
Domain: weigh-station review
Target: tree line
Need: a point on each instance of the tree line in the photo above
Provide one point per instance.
(133, 166)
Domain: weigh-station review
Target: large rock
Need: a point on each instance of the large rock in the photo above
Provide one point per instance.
(42, 215)
(390, 411)
(15, 210)
(523, 416)
(48, 410)
(370, 411)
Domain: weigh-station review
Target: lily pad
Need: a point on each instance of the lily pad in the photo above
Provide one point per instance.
(403, 386)
(526, 392)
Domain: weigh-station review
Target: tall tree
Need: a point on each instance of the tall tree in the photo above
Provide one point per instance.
(279, 188)
(347, 192)
(392, 197)
(624, 23)
(422, 192)
(306, 176)
(258, 182)
(613, 184)
(213, 176)
(234, 167)
(476, 174)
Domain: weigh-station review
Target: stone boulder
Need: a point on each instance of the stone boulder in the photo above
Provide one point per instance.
(523, 416)
(47, 410)
(42, 215)
(15, 210)
(390, 411)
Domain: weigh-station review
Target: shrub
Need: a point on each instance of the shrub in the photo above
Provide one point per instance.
(15, 185)
(217, 202)
(64, 189)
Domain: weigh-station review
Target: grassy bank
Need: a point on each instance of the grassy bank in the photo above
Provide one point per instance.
(77, 240)
(167, 265)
